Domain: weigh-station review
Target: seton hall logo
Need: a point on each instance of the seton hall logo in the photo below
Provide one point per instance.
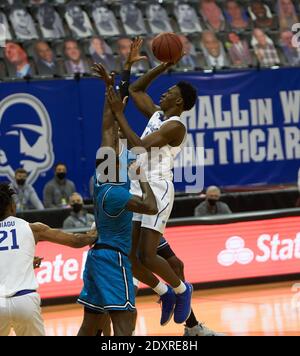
(25, 136)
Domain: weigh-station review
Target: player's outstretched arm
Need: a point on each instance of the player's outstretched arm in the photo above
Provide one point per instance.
(43, 232)
(138, 89)
(172, 132)
(147, 204)
(109, 131)
(133, 57)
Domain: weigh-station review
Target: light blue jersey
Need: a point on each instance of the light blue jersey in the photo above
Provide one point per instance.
(114, 222)
(108, 280)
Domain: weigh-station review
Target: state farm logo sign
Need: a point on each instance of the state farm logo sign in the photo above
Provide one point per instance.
(270, 248)
(235, 252)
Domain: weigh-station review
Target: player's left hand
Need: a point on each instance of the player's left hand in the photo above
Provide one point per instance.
(115, 101)
(37, 261)
(134, 55)
(101, 73)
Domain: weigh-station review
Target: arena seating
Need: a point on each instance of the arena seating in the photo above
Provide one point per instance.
(111, 22)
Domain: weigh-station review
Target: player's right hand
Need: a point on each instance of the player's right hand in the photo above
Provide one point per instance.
(171, 64)
(37, 261)
(101, 73)
(93, 236)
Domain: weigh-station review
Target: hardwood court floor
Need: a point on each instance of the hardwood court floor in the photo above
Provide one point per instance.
(272, 309)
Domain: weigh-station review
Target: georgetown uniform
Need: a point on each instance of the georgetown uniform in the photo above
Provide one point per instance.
(108, 279)
(19, 301)
(158, 166)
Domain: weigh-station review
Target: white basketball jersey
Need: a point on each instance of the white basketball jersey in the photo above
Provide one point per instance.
(159, 163)
(17, 249)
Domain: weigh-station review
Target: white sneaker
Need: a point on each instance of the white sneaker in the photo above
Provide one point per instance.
(200, 330)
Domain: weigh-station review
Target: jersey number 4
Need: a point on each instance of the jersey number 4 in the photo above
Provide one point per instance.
(4, 235)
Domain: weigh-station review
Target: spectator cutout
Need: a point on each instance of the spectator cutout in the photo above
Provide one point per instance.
(75, 63)
(45, 60)
(261, 15)
(213, 50)
(287, 14)
(212, 15)
(102, 53)
(187, 18)
(78, 21)
(4, 25)
(132, 19)
(190, 60)
(291, 54)
(236, 15)
(105, 20)
(22, 23)
(239, 51)
(50, 23)
(17, 60)
(158, 19)
(264, 48)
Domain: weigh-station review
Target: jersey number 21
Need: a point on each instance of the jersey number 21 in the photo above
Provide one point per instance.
(4, 235)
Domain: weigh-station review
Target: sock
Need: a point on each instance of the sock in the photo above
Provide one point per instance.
(161, 289)
(192, 321)
(180, 289)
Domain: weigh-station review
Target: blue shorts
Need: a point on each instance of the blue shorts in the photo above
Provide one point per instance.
(108, 282)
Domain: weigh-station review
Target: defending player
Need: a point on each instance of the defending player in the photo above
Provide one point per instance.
(19, 300)
(108, 280)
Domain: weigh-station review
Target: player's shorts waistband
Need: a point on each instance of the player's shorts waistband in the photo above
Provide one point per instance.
(24, 292)
(108, 247)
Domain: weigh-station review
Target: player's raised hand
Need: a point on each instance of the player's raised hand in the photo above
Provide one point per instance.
(171, 64)
(135, 55)
(100, 72)
(115, 101)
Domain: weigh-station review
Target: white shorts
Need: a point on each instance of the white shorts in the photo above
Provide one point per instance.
(22, 314)
(164, 193)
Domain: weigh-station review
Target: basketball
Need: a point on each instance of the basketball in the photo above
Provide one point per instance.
(167, 47)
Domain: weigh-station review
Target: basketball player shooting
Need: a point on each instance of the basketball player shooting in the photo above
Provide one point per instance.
(164, 137)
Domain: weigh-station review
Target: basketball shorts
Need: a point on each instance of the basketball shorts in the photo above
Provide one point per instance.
(164, 250)
(164, 194)
(108, 282)
(22, 315)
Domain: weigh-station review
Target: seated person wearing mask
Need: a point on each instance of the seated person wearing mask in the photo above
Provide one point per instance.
(58, 191)
(26, 197)
(79, 217)
(212, 205)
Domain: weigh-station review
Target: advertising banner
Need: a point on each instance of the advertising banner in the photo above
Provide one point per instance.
(210, 253)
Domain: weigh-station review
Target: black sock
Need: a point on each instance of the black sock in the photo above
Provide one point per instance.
(192, 321)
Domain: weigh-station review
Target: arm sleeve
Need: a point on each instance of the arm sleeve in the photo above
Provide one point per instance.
(116, 200)
(124, 85)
